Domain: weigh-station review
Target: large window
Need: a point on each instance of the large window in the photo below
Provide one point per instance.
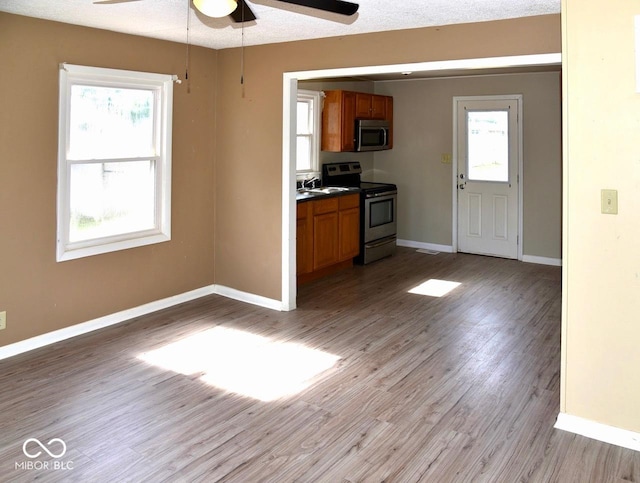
(114, 160)
(308, 133)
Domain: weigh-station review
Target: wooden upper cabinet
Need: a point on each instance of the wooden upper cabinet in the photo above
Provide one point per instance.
(338, 121)
(363, 105)
(370, 106)
(348, 123)
(340, 111)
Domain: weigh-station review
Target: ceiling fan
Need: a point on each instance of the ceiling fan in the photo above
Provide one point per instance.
(243, 13)
(239, 11)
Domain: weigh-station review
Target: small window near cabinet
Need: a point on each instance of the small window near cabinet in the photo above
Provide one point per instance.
(308, 133)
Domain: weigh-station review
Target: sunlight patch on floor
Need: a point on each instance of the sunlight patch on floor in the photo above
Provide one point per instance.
(434, 288)
(244, 363)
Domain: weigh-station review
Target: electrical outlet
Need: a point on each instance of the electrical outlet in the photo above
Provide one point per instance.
(445, 158)
(3, 320)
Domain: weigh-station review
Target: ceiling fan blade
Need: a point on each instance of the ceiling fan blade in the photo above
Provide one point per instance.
(242, 13)
(334, 6)
(107, 2)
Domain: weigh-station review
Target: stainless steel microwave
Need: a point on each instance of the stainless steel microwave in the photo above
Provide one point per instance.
(372, 135)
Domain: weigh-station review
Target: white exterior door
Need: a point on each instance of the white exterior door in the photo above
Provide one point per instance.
(488, 149)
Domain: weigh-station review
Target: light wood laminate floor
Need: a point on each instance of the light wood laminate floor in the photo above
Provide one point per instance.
(383, 385)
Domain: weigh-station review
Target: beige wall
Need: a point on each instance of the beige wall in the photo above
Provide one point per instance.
(249, 149)
(227, 157)
(601, 379)
(39, 294)
(423, 120)
(601, 317)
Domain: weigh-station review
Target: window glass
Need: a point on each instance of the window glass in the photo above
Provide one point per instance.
(110, 122)
(308, 133)
(488, 146)
(109, 199)
(305, 108)
(381, 213)
(303, 153)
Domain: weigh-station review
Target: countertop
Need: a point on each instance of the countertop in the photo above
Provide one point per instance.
(323, 192)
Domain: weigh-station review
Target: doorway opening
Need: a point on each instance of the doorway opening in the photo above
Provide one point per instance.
(290, 88)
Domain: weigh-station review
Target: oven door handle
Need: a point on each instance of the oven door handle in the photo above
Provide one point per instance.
(379, 195)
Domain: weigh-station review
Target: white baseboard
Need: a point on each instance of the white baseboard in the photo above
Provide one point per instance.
(556, 262)
(601, 432)
(425, 246)
(249, 298)
(125, 315)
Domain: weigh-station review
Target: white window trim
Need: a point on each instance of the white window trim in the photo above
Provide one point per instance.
(315, 97)
(162, 84)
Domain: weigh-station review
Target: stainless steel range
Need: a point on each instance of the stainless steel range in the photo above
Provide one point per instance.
(378, 210)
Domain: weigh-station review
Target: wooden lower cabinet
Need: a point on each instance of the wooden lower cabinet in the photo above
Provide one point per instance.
(304, 239)
(325, 240)
(328, 235)
(325, 232)
(349, 227)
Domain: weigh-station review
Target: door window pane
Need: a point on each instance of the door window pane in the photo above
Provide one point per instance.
(488, 146)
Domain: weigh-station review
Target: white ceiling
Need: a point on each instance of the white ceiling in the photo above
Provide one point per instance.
(276, 21)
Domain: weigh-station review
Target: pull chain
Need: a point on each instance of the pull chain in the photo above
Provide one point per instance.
(241, 4)
(186, 67)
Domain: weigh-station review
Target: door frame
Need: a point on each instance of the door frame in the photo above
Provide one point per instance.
(454, 165)
(289, 92)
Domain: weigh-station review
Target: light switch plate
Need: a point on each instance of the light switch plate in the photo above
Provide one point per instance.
(609, 202)
(3, 320)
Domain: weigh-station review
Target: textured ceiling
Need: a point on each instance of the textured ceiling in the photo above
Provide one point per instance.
(276, 21)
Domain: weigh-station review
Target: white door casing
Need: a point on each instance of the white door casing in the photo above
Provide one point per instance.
(487, 167)
(290, 80)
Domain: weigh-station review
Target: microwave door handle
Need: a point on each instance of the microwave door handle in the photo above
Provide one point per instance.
(384, 139)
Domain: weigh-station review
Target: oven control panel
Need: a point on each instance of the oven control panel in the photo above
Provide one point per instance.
(335, 169)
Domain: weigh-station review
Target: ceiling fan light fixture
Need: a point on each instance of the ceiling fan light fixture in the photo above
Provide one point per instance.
(216, 8)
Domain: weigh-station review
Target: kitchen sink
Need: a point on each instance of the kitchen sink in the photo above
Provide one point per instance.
(329, 189)
(323, 189)
(304, 192)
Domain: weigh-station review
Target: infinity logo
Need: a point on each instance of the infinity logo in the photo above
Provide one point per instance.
(44, 448)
